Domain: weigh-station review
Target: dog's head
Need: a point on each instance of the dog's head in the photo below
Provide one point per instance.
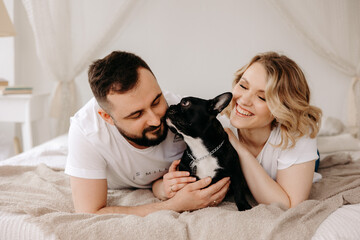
(194, 116)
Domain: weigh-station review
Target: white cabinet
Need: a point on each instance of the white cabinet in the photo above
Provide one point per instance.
(23, 109)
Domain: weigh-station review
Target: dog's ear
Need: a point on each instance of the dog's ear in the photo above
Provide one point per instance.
(220, 102)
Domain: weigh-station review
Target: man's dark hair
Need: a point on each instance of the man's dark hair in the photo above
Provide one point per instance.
(115, 73)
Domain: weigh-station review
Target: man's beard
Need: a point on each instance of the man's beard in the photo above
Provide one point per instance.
(144, 141)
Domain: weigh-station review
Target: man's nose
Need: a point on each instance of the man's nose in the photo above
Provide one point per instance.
(153, 119)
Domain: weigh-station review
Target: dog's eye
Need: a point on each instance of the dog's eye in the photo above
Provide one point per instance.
(185, 103)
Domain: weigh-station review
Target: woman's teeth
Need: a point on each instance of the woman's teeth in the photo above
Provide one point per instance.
(243, 111)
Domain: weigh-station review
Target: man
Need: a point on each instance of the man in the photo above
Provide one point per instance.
(119, 139)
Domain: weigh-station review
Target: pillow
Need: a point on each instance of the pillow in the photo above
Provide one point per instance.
(331, 126)
(342, 142)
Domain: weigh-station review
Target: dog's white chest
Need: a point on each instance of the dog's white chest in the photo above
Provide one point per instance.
(205, 166)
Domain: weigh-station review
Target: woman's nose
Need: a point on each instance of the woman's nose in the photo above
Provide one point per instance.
(246, 98)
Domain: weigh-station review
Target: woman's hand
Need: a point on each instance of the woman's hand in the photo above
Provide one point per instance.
(172, 182)
(237, 144)
(233, 139)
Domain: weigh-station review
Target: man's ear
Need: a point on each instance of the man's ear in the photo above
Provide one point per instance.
(104, 115)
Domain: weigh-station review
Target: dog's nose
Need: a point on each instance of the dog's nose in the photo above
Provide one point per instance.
(171, 110)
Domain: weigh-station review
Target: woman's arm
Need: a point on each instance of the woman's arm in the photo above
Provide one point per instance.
(291, 187)
(297, 181)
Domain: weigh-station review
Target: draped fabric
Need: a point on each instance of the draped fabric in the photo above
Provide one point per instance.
(66, 43)
(332, 29)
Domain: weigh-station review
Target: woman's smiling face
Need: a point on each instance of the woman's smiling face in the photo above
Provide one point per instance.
(250, 108)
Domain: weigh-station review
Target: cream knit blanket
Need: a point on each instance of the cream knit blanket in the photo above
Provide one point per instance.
(45, 195)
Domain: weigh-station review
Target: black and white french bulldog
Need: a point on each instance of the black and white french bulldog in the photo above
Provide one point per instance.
(209, 152)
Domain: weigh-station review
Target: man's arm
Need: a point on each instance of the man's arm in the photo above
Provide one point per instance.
(90, 196)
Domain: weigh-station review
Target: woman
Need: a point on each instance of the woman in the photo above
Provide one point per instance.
(276, 128)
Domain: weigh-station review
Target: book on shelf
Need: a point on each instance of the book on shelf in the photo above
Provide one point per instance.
(3, 83)
(5, 90)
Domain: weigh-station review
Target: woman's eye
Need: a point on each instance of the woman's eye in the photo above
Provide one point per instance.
(185, 103)
(243, 86)
(262, 98)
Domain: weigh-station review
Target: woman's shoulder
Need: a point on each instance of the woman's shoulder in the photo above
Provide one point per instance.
(304, 149)
(276, 137)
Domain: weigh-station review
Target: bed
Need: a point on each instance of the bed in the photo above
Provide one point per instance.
(35, 202)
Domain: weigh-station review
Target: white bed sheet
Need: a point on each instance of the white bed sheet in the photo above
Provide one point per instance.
(342, 224)
(15, 227)
(52, 153)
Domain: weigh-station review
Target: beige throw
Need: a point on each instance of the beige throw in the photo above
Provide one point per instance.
(45, 195)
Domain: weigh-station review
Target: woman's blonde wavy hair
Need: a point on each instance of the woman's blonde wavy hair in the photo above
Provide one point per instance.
(287, 96)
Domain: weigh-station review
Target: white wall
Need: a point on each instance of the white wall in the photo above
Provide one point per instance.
(20, 66)
(195, 46)
(7, 72)
(28, 70)
(7, 49)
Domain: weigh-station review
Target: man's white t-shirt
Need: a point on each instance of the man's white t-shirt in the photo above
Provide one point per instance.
(98, 151)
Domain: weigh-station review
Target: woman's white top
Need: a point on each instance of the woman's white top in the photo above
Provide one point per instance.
(274, 158)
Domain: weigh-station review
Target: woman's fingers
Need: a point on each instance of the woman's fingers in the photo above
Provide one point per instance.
(176, 187)
(175, 180)
(173, 166)
(232, 138)
(178, 183)
(177, 174)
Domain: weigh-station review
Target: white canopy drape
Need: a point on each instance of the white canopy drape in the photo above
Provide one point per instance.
(66, 44)
(332, 29)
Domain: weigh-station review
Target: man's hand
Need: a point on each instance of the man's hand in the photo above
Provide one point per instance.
(197, 195)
